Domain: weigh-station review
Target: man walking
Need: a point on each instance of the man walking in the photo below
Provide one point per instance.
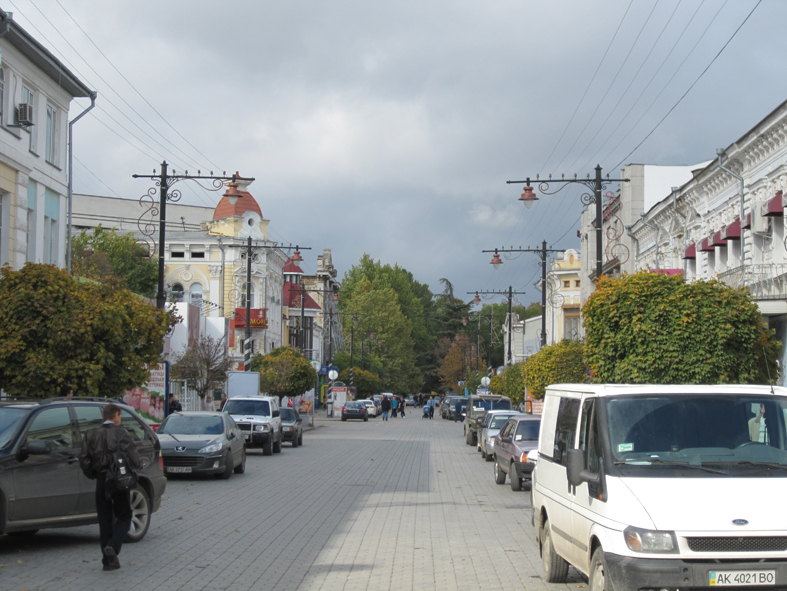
(386, 406)
(98, 445)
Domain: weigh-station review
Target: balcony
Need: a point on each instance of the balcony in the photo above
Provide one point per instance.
(766, 282)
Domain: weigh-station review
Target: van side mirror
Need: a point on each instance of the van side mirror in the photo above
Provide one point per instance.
(575, 468)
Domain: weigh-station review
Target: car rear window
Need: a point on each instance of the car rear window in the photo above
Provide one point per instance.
(287, 414)
(527, 431)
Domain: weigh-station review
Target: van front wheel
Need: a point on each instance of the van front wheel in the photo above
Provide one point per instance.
(555, 567)
(598, 571)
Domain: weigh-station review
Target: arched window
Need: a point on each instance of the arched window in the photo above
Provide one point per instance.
(177, 292)
(243, 296)
(195, 294)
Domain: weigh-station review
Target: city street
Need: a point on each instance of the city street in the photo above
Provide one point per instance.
(397, 505)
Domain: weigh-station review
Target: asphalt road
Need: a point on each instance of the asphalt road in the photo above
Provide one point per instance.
(398, 505)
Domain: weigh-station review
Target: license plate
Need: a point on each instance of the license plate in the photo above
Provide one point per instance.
(247, 435)
(179, 469)
(730, 578)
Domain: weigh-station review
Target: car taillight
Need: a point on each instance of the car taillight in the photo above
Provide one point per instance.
(523, 457)
(161, 462)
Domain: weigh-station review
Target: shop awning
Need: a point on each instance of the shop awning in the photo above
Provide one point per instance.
(718, 240)
(707, 245)
(690, 252)
(732, 232)
(773, 207)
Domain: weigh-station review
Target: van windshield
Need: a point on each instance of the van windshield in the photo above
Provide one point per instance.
(479, 404)
(727, 432)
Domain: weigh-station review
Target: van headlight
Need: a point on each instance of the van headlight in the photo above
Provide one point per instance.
(657, 542)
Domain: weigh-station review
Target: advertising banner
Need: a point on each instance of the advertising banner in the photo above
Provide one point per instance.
(339, 399)
(149, 400)
(259, 317)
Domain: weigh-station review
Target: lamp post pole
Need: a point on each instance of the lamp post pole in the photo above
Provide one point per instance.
(247, 343)
(596, 185)
(510, 297)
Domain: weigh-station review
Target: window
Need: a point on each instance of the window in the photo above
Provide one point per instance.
(590, 443)
(177, 255)
(177, 292)
(576, 283)
(52, 425)
(51, 134)
(132, 425)
(2, 97)
(571, 323)
(243, 295)
(567, 284)
(88, 417)
(567, 415)
(30, 235)
(197, 255)
(195, 294)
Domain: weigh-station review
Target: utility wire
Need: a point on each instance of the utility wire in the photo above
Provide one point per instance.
(692, 85)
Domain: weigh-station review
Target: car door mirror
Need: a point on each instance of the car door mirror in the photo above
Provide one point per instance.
(575, 468)
(38, 447)
(275, 413)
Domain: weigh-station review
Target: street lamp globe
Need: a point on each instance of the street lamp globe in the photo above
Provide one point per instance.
(496, 260)
(464, 321)
(476, 299)
(528, 197)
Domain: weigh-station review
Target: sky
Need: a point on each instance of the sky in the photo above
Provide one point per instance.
(391, 128)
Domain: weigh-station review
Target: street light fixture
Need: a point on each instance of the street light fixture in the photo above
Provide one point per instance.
(496, 261)
(528, 198)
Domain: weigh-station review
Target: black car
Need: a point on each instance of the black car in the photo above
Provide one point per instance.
(292, 426)
(202, 443)
(355, 410)
(41, 485)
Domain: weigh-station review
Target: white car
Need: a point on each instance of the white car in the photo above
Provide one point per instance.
(371, 407)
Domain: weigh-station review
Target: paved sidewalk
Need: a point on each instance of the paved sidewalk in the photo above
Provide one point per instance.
(402, 505)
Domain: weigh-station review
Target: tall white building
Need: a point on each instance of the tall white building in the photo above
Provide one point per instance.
(36, 91)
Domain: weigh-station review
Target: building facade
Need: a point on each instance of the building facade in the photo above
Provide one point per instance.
(36, 91)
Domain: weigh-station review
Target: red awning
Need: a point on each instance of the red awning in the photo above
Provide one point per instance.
(732, 232)
(707, 245)
(773, 207)
(747, 225)
(690, 252)
(718, 240)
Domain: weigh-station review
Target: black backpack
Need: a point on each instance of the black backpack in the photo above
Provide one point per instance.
(120, 475)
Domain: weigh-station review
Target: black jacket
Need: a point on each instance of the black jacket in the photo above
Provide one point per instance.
(386, 404)
(98, 446)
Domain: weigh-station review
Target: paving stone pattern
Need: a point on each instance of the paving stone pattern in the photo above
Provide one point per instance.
(402, 505)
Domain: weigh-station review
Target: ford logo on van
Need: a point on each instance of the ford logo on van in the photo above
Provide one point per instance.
(740, 522)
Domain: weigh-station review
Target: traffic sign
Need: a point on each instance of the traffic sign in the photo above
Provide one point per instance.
(333, 374)
(485, 381)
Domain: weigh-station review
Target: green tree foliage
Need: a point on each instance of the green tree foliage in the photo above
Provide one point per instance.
(56, 330)
(457, 365)
(653, 328)
(365, 382)
(370, 362)
(284, 372)
(114, 259)
(561, 363)
(204, 366)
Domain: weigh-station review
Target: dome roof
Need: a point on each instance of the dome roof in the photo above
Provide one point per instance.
(245, 201)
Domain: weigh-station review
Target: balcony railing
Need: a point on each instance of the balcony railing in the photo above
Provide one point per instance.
(766, 282)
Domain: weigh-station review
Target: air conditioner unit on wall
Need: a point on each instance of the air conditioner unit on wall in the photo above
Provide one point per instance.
(24, 114)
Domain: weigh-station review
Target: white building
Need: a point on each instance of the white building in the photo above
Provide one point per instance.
(36, 91)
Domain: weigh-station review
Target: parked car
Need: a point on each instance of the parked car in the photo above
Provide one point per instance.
(259, 419)
(517, 437)
(202, 442)
(448, 402)
(477, 407)
(493, 422)
(291, 426)
(450, 406)
(371, 407)
(41, 485)
(355, 410)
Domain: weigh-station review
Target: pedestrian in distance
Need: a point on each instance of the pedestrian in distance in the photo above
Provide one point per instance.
(457, 410)
(394, 406)
(432, 402)
(174, 404)
(99, 447)
(402, 404)
(66, 392)
(386, 406)
(223, 401)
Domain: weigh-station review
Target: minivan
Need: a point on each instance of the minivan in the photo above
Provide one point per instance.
(663, 487)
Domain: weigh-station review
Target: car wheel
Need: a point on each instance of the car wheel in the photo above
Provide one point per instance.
(516, 482)
(140, 515)
(490, 457)
(554, 566)
(267, 448)
(468, 436)
(483, 454)
(365, 419)
(277, 445)
(300, 439)
(228, 468)
(241, 468)
(344, 418)
(598, 572)
(294, 440)
(500, 476)
(24, 534)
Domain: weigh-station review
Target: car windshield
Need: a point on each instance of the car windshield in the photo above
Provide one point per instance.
(497, 421)
(10, 419)
(725, 432)
(479, 404)
(191, 425)
(256, 408)
(527, 431)
(287, 414)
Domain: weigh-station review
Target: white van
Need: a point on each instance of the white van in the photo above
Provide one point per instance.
(663, 487)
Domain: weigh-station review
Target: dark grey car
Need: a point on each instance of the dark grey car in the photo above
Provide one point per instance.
(292, 426)
(41, 485)
(202, 443)
(517, 437)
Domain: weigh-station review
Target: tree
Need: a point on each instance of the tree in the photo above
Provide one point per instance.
(204, 366)
(561, 363)
(56, 330)
(284, 372)
(365, 382)
(457, 365)
(658, 329)
(114, 259)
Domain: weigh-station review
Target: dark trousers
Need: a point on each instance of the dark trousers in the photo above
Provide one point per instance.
(114, 516)
(431, 412)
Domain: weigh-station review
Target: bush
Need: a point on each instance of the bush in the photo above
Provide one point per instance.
(561, 363)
